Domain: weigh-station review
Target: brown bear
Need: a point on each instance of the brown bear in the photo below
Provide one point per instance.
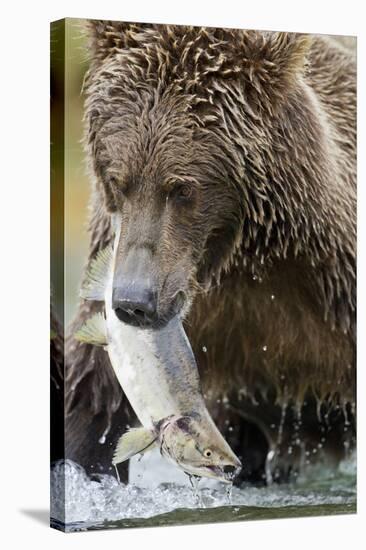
(231, 157)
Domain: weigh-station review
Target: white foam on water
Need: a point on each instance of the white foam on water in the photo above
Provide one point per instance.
(156, 487)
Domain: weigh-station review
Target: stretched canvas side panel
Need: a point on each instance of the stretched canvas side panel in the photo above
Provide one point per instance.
(57, 176)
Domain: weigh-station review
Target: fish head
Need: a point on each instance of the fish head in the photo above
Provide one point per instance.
(195, 444)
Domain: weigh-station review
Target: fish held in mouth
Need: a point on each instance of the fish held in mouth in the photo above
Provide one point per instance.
(191, 442)
(158, 373)
(195, 444)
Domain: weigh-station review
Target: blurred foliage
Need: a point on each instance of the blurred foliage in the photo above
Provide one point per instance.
(69, 182)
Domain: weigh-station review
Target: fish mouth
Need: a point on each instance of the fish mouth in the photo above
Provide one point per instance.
(225, 473)
(214, 471)
(228, 475)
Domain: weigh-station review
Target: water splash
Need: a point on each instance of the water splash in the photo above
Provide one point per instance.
(229, 492)
(282, 422)
(194, 481)
(117, 473)
(81, 501)
(268, 467)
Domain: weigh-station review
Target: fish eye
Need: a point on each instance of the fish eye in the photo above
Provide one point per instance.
(207, 453)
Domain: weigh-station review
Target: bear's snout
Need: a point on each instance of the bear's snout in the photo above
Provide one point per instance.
(134, 296)
(138, 298)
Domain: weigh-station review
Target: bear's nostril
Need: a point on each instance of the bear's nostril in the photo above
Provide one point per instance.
(123, 315)
(133, 316)
(139, 314)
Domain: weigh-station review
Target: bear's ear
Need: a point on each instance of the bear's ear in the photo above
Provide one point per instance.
(273, 62)
(106, 37)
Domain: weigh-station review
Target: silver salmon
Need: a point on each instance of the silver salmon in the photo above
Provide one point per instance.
(158, 374)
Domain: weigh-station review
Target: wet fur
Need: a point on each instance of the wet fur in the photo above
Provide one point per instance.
(264, 125)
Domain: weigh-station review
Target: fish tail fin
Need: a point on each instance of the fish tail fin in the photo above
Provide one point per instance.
(93, 331)
(97, 275)
(135, 441)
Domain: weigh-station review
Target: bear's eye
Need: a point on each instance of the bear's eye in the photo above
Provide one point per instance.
(207, 453)
(117, 187)
(114, 183)
(183, 191)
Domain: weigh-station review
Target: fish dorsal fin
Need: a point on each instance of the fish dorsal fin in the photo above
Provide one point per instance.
(135, 441)
(93, 331)
(97, 275)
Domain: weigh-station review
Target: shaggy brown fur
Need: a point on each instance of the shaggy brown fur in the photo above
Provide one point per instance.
(262, 129)
(57, 365)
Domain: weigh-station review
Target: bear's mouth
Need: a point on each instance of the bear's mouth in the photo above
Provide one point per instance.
(174, 310)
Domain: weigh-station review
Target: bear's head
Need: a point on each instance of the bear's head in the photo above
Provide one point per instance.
(179, 131)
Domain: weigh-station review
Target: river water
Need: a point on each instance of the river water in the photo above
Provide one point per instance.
(159, 494)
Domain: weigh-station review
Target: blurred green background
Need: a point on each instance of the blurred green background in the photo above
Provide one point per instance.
(70, 186)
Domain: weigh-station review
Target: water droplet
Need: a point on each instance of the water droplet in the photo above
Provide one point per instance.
(319, 409)
(204, 349)
(194, 481)
(117, 473)
(264, 348)
(267, 468)
(272, 296)
(229, 492)
(282, 422)
(270, 455)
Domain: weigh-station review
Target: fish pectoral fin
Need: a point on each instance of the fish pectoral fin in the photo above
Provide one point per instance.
(93, 331)
(97, 275)
(135, 441)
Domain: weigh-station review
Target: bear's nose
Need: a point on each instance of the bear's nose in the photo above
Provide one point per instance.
(134, 295)
(134, 305)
